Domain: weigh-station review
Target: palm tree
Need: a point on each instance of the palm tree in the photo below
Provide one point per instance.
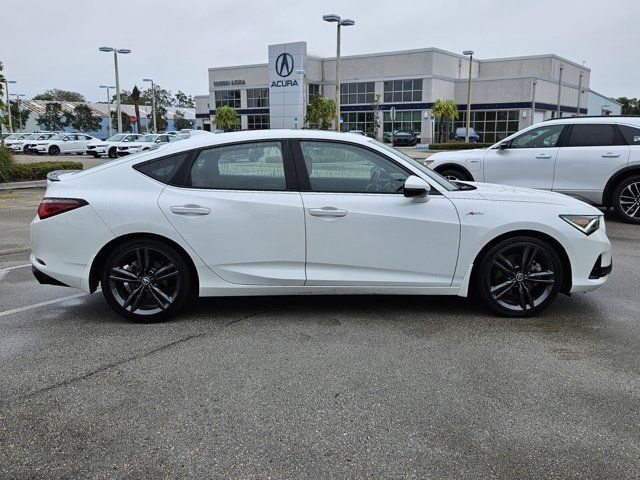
(135, 98)
(444, 109)
(226, 117)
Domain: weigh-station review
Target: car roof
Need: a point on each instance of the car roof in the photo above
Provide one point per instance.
(631, 120)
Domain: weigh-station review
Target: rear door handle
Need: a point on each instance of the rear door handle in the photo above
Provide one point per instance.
(610, 155)
(327, 212)
(543, 155)
(190, 210)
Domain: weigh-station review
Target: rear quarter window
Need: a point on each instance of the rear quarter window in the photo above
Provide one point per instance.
(163, 169)
(630, 134)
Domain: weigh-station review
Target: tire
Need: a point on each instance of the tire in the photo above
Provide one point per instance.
(95, 155)
(54, 150)
(510, 289)
(626, 199)
(79, 153)
(112, 153)
(454, 174)
(137, 294)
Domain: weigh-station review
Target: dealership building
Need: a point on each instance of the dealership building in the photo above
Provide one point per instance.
(507, 94)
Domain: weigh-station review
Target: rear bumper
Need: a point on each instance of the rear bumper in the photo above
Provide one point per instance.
(44, 279)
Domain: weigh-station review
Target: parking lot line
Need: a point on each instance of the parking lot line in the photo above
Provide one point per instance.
(40, 304)
(14, 268)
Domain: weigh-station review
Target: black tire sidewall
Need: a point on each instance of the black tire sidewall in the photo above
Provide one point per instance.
(112, 152)
(453, 171)
(616, 199)
(186, 280)
(482, 287)
(54, 150)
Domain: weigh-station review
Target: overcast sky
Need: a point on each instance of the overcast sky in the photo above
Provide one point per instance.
(54, 44)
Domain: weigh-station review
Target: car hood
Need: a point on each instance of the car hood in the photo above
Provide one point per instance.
(507, 193)
(457, 154)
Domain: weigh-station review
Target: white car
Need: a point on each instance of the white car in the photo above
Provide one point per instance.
(24, 145)
(595, 159)
(63, 143)
(287, 212)
(145, 142)
(109, 146)
(14, 138)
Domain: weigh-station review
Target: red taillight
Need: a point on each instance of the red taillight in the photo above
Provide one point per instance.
(53, 206)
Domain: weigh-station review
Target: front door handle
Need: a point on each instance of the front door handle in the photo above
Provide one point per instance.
(610, 155)
(327, 212)
(190, 210)
(543, 155)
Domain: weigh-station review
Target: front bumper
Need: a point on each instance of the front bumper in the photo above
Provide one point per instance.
(591, 261)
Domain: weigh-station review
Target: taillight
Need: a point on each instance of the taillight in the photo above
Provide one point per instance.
(53, 206)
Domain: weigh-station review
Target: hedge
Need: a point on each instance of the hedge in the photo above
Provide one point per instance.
(18, 172)
(457, 146)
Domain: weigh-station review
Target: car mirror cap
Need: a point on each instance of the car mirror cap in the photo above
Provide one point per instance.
(416, 188)
(503, 145)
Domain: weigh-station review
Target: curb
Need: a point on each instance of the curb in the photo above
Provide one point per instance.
(20, 185)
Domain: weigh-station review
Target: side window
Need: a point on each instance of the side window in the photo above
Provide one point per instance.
(339, 167)
(591, 135)
(69, 138)
(162, 169)
(541, 137)
(630, 134)
(248, 166)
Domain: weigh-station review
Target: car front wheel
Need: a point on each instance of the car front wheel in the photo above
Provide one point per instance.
(519, 277)
(626, 199)
(146, 280)
(54, 150)
(112, 153)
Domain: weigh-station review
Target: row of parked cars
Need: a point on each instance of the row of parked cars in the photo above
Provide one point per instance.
(54, 143)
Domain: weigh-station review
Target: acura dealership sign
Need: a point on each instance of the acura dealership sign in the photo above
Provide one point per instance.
(286, 85)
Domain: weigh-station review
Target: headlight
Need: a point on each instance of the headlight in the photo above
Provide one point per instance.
(587, 224)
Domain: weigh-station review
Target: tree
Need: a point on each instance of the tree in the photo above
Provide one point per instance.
(320, 112)
(126, 121)
(51, 119)
(375, 124)
(183, 100)
(59, 95)
(83, 119)
(179, 122)
(17, 117)
(226, 117)
(3, 119)
(630, 106)
(135, 98)
(161, 118)
(444, 109)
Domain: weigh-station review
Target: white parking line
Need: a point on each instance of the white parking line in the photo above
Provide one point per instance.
(41, 304)
(15, 268)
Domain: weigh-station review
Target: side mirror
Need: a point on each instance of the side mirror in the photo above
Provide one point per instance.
(504, 145)
(417, 189)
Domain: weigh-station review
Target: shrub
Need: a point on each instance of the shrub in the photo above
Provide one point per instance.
(457, 146)
(6, 163)
(19, 172)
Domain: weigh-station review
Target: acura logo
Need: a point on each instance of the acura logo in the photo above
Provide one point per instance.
(284, 64)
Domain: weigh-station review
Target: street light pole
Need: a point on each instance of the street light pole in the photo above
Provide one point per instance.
(6, 86)
(146, 115)
(18, 95)
(340, 23)
(153, 103)
(466, 134)
(533, 100)
(107, 87)
(579, 93)
(116, 51)
(559, 91)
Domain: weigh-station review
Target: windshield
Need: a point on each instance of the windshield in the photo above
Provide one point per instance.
(436, 177)
(116, 138)
(33, 136)
(147, 138)
(13, 136)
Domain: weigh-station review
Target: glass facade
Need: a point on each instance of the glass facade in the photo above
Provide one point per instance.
(492, 126)
(354, 93)
(228, 97)
(357, 121)
(405, 120)
(396, 91)
(258, 122)
(315, 89)
(257, 97)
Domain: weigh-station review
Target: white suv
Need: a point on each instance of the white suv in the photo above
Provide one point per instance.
(595, 159)
(145, 142)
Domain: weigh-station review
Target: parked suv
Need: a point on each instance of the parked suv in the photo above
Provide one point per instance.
(595, 159)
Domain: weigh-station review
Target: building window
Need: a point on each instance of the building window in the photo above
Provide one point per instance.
(258, 122)
(405, 120)
(397, 91)
(358, 121)
(491, 126)
(257, 97)
(352, 93)
(315, 90)
(228, 97)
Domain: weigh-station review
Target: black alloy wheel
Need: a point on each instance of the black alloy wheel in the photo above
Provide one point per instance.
(54, 150)
(146, 281)
(520, 277)
(112, 153)
(627, 199)
(453, 174)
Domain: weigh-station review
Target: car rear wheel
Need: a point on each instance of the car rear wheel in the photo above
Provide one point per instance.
(54, 150)
(454, 174)
(112, 153)
(626, 198)
(519, 277)
(146, 281)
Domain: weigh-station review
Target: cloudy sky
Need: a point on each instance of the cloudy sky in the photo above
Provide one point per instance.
(54, 44)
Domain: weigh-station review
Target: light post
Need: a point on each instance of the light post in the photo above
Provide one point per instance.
(6, 86)
(153, 103)
(107, 87)
(339, 23)
(579, 93)
(533, 100)
(146, 114)
(559, 91)
(468, 122)
(116, 51)
(18, 95)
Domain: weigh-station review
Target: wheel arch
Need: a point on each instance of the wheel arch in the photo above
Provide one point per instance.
(455, 166)
(95, 273)
(564, 257)
(620, 175)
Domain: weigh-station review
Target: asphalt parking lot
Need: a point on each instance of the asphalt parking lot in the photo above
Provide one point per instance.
(316, 387)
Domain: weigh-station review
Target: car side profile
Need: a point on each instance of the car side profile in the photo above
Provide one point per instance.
(109, 147)
(144, 143)
(24, 145)
(287, 212)
(595, 159)
(62, 143)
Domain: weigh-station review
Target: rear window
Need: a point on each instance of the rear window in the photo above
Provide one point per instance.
(630, 134)
(587, 135)
(162, 169)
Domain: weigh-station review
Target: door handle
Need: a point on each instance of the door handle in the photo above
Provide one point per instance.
(190, 210)
(610, 155)
(543, 155)
(327, 212)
